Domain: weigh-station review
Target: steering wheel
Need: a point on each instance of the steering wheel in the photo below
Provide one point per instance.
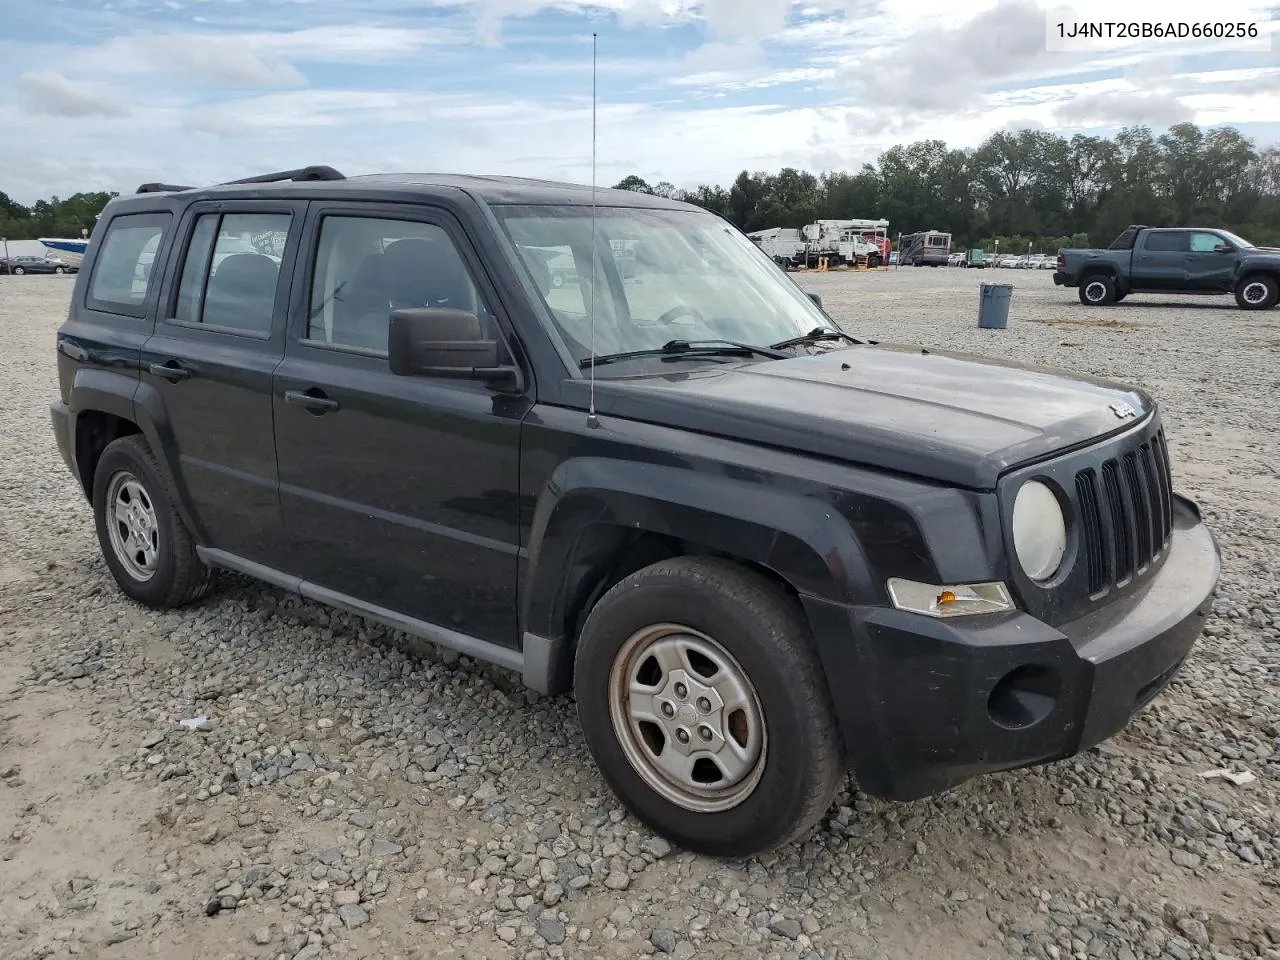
(680, 310)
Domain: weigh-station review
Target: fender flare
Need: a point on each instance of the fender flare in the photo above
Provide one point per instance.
(804, 541)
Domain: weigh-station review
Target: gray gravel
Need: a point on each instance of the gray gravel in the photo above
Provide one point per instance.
(352, 796)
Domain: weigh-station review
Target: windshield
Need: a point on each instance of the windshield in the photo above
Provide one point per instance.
(1238, 241)
(660, 275)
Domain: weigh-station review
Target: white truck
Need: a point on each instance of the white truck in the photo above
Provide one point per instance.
(847, 241)
(784, 245)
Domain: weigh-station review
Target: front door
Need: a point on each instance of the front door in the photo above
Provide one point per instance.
(1209, 266)
(398, 491)
(218, 339)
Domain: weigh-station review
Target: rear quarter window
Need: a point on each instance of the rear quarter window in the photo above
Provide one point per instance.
(127, 263)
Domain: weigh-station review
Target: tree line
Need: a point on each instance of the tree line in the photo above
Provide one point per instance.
(1024, 187)
(50, 218)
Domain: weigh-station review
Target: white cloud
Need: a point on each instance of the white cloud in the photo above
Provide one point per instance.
(52, 93)
(407, 84)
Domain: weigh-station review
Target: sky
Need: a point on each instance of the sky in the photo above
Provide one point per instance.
(108, 95)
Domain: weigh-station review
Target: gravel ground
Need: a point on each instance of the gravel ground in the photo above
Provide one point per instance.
(351, 797)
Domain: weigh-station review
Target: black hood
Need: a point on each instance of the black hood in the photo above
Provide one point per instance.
(958, 419)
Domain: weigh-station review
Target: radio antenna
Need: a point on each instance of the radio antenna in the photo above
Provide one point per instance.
(591, 413)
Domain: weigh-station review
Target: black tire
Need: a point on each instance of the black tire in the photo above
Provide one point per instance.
(19, 271)
(1257, 292)
(764, 632)
(873, 261)
(178, 576)
(1097, 290)
(59, 270)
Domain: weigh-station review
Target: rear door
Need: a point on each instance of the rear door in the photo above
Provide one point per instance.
(1159, 262)
(209, 365)
(1208, 267)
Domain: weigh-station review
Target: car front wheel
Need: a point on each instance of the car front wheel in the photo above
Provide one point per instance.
(705, 708)
(143, 540)
(1257, 292)
(19, 271)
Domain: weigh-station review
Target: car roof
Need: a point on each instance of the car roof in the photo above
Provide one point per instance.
(489, 189)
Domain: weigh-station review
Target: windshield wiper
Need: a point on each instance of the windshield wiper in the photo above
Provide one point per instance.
(690, 348)
(814, 336)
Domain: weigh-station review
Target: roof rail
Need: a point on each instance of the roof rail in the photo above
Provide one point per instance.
(302, 173)
(161, 188)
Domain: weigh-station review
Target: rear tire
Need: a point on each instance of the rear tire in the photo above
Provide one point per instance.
(1097, 290)
(705, 708)
(145, 544)
(1257, 292)
(873, 261)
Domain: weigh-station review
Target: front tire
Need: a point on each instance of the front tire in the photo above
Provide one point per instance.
(873, 262)
(704, 706)
(1257, 292)
(145, 544)
(19, 271)
(1097, 290)
(59, 270)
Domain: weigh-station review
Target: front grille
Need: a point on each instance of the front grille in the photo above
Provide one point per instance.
(1125, 514)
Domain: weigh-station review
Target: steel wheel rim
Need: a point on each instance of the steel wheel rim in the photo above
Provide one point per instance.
(670, 682)
(132, 526)
(1255, 292)
(1095, 291)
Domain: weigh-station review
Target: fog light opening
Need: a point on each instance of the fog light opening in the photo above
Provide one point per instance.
(1024, 696)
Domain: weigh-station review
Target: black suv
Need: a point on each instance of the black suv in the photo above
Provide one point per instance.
(760, 552)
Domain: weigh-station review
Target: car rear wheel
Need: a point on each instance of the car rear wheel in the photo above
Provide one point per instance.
(703, 704)
(1097, 290)
(1257, 292)
(146, 546)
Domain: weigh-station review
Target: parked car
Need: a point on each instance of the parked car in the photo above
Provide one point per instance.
(1198, 260)
(956, 260)
(975, 258)
(27, 264)
(758, 550)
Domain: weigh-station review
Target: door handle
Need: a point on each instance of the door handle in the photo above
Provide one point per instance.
(313, 400)
(170, 371)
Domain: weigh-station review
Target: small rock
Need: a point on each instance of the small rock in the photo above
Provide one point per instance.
(262, 936)
(352, 916)
(551, 930)
(385, 848)
(423, 912)
(1185, 858)
(785, 927)
(663, 940)
(657, 847)
(346, 898)
(617, 880)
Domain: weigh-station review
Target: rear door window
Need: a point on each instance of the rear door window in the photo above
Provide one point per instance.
(231, 271)
(125, 266)
(1167, 241)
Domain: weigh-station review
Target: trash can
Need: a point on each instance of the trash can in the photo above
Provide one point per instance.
(993, 305)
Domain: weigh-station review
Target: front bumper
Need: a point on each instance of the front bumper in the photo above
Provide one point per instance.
(925, 704)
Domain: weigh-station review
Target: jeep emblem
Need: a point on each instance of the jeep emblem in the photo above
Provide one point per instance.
(1123, 410)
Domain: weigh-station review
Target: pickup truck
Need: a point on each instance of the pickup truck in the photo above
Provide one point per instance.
(1173, 260)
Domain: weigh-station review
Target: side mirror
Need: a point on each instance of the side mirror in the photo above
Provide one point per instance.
(816, 299)
(428, 342)
(1224, 248)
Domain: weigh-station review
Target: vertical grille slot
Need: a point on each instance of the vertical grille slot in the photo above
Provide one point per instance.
(1095, 551)
(1137, 492)
(1165, 472)
(1119, 521)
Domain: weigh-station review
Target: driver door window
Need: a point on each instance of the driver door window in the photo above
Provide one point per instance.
(366, 267)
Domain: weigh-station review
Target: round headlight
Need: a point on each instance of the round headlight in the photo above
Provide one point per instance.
(1039, 530)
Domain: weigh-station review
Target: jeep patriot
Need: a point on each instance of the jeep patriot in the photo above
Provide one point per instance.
(761, 553)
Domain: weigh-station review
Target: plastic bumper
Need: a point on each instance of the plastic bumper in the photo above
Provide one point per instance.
(1060, 279)
(60, 413)
(925, 704)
